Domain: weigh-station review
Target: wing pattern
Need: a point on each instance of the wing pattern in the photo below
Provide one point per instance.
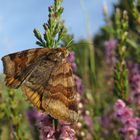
(46, 79)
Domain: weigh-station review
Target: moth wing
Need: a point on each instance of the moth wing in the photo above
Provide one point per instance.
(33, 96)
(60, 101)
(33, 85)
(18, 66)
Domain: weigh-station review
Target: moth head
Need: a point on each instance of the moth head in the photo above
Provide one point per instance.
(57, 54)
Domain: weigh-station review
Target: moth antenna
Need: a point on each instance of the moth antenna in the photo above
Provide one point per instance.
(77, 44)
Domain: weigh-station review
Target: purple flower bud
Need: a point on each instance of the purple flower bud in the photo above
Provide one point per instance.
(45, 120)
(134, 82)
(32, 115)
(71, 57)
(88, 121)
(135, 98)
(110, 46)
(74, 67)
(79, 85)
(122, 131)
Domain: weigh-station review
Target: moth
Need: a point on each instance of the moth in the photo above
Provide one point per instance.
(46, 78)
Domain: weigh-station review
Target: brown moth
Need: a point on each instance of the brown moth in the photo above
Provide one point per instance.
(46, 79)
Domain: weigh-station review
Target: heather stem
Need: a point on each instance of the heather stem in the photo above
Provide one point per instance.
(54, 28)
(120, 71)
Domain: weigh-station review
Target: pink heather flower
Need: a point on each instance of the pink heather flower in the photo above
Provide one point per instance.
(131, 122)
(122, 112)
(46, 128)
(110, 46)
(127, 113)
(67, 133)
(131, 132)
(119, 105)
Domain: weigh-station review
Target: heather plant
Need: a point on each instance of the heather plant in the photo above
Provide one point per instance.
(11, 115)
(125, 71)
